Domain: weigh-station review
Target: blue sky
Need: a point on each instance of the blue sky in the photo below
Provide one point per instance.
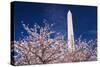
(84, 18)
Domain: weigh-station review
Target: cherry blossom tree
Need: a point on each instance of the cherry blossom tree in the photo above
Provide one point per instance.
(40, 48)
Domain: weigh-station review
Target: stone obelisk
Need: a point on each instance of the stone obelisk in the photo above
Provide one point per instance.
(71, 47)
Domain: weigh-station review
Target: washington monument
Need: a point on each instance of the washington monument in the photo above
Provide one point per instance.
(71, 47)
